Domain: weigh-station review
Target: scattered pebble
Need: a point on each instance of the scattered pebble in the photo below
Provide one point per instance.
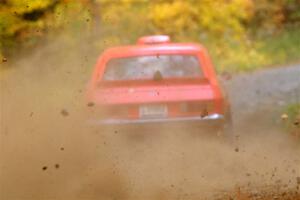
(237, 149)
(284, 116)
(4, 59)
(64, 112)
(45, 168)
(56, 166)
(278, 181)
(90, 104)
(62, 148)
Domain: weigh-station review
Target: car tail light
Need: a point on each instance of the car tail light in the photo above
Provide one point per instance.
(183, 107)
(197, 106)
(116, 111)
(200, 107)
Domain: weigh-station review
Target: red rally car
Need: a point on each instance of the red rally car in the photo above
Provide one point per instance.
(157, 82)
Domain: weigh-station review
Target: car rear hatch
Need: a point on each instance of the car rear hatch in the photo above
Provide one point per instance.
(156, 99)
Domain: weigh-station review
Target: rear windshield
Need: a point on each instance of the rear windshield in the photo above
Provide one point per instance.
(151, 67)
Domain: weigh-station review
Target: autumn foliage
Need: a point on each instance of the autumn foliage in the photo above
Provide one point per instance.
(227, 26)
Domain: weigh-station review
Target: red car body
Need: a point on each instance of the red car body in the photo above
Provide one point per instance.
(162, 100)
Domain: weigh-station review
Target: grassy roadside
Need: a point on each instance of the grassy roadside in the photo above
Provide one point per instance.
(292, 119)
(282, 49)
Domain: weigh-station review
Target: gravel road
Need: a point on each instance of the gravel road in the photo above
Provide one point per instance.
(263, 93)
(47, 154)
(258, 99)
(268, 86)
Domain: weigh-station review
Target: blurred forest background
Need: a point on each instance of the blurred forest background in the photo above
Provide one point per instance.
(241, 35)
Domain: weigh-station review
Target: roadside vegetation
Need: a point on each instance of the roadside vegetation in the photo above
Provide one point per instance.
(242, 35)
(292, 118)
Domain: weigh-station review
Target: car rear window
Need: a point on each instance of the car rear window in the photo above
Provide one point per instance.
(149, 67)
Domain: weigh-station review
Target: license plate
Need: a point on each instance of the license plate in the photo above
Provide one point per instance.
(149, 111)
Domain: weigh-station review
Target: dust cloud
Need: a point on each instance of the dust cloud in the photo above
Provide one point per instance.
(48, 151)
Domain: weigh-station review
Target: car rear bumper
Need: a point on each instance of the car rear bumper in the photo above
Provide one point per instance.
(214, 121)
(213, 117)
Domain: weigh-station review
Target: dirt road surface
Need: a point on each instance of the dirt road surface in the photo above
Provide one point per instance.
(49, 152)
